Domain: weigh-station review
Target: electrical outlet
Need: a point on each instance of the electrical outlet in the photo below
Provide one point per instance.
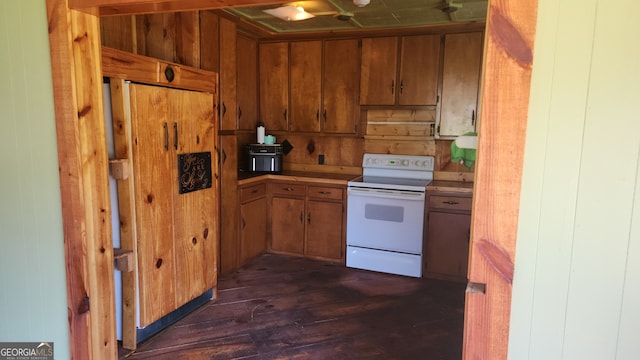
(321, 159)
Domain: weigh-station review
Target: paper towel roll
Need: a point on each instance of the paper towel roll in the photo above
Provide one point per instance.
(260, 131)
(467, 142)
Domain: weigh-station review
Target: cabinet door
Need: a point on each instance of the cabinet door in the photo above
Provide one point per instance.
(151, 116)
(324, 230)
(229, 240)
(341, 79)
(419, 67)
(287, 224)
(195, 213)
(305, 68)
(448, 244)
(227, 75)
(460, 83)
(253, 229)
(274, 85)
(247, 81)
(378, 71)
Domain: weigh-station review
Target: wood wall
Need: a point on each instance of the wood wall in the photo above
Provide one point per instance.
(192, 38)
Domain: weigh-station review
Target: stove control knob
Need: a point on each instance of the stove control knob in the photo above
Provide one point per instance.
(405, 162)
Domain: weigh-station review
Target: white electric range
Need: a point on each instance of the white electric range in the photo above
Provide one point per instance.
(385, 213)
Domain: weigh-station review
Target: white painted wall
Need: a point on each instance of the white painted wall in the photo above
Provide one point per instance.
(33, 302)
(577, 279)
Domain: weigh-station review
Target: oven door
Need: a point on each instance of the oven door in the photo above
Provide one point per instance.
(390, 220)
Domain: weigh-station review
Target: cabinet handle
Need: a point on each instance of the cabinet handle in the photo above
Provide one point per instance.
(309, 218)
(243, 223)
(301, 218)
(393, 86)
(166, 136)
(401, 86)
(239, 112)
(324, 115)
(287, 189)
(285, 114)
(175, 134)
(254, 191)
(324, 192)
(450, 202)
(318, 115)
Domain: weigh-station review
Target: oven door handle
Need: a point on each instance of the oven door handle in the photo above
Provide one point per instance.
(387, 194)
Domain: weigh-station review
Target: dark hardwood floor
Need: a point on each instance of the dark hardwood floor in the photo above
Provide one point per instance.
(280, 307)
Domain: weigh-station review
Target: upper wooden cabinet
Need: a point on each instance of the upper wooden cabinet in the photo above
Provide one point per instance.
(460, 84)
(274, 85)
(305, 82)
(227, 75)
(340, 82)
(419, 66)
(317, 79)
(247, 83)
(378, 71)
(405, 76)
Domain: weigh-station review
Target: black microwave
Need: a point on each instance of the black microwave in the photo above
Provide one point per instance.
(264, 158)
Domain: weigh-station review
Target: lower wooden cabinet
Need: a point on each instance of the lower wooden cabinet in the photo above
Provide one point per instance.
(448, 232)
(253, 222)
(307, 220)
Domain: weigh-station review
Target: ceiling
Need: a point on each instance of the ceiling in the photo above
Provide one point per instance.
(378, 14)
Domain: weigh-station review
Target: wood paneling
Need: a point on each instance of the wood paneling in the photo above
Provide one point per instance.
(128, 66)
(337, 151)
(209, 41)
(83, 180)
(119, 32)
(117, 7)
(507, 76)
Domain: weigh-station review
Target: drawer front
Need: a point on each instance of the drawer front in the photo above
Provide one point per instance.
(450, 202)
(287, 189)
(252, 192)
(324, 192)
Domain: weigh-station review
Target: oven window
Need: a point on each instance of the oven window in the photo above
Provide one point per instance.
(384, 212)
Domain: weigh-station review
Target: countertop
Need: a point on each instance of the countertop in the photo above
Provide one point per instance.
(301, 176)
(464, 187)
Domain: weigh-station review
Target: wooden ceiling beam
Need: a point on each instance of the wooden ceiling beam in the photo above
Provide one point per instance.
(132, 7)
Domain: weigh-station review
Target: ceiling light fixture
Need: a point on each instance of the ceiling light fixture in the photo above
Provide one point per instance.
(290, 13)
(361, 3)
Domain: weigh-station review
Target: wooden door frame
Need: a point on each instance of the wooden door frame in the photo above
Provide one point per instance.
(74, 35)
